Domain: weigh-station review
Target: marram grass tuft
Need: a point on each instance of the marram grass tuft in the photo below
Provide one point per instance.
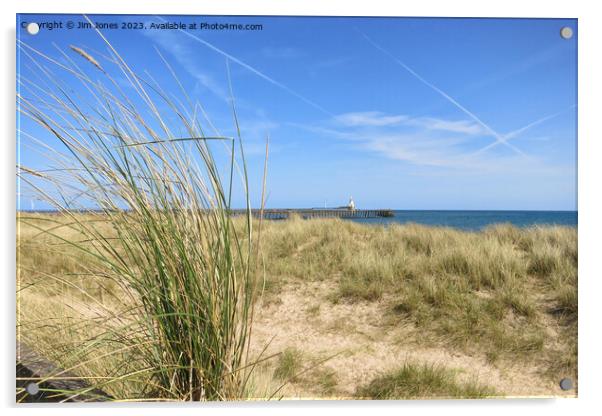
(157, 233)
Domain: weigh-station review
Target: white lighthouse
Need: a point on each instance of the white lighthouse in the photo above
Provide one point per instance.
(351, 205)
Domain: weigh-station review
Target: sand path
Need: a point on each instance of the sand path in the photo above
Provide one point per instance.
(304, 318)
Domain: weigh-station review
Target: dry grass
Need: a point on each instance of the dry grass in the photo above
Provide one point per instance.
(155, 286)
(505, 293)
(415, 381)
(290, 363)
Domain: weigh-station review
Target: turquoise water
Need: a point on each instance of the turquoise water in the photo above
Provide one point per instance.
(476, 220)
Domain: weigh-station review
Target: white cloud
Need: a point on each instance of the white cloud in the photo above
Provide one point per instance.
(416, 144)
(449, 155)
(412, 148)
(448, 145)
(257, 130)
(379, 119)
(454, 126)
(369, 118)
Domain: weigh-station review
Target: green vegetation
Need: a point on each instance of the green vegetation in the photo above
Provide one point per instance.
(289, 364)
(492, 291)
(414, 381)
(485, 293)
(151, 295)
(327, 381)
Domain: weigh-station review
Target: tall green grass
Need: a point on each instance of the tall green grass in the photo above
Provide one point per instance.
(158, 230)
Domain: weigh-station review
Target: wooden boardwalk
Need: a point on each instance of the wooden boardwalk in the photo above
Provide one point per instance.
(54, 384)
(282, 214)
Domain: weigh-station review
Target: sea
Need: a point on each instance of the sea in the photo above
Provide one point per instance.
(465, 220)
(477, 220)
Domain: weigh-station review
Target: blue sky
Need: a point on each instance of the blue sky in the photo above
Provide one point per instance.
(403, 113)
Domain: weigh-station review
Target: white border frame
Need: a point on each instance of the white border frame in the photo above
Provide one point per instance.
(589, 199)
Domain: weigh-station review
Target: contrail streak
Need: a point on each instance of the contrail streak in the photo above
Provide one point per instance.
(499, 138)
(253, 70)
(517, 132)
